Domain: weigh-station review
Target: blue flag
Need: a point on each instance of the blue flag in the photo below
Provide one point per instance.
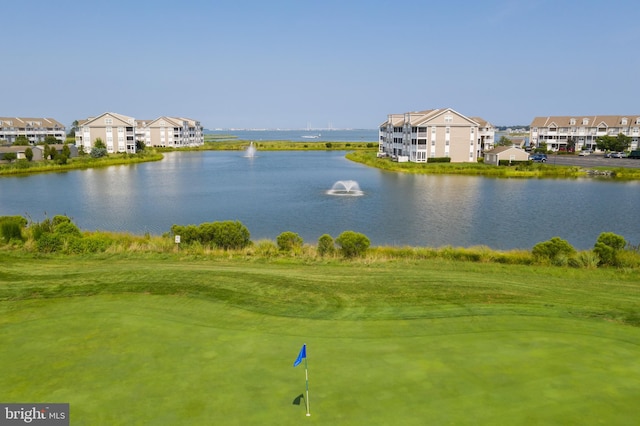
(301, 355)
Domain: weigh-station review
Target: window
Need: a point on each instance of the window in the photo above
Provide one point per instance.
(433, 130)
(433, 142)
(448, 118)
(624, 121)
(572, 122)
(585, 121)
(108, 121)
(447, 130)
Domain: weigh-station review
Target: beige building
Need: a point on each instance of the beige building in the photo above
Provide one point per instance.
(174, 132)
(505, 153)
(35, 129)
(560, 132)
(120, 132)
(419, 136)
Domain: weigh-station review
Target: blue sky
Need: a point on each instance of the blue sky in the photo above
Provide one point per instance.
(338, 63)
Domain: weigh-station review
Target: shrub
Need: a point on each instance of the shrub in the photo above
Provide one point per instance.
(556, 250)
(231, 235)
(68, 229)
(585, 259)
(325, 245)
(98, 152)
(287, 241)
(607, 247)
(439, 160)
(352, 244)
(328, 144)
(10, 231)
(49, 243)
(11, 227)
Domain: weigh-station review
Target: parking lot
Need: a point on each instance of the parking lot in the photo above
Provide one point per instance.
(593, 160)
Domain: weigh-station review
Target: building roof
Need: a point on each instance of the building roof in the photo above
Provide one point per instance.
(38, 122)
(417, 118)
(592, 120)
(501, 149)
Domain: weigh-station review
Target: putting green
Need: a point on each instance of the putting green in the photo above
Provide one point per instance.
(173, 360)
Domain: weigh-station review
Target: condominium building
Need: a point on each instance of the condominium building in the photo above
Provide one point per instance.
(561, 132)
(419, 136)
(174, 132)
(34, 129)
(120, 132)
(116, 131)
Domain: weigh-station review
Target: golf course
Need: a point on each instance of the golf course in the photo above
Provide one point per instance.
(183, 339)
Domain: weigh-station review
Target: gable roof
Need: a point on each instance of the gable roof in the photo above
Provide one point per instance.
(593, 120)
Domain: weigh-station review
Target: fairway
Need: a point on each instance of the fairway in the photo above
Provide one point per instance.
(140, 359)
(171, 340)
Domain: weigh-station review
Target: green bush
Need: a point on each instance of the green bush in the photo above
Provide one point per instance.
(49, 243)
(68, 229)
(439, 160)
(10, 231)
(325, 245)
(231, 235)
(556, 250)
(11, 227)
(288, 241)
(607, 247)
(352, 244)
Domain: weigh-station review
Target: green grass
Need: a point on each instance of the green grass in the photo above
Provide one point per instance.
(169, 339)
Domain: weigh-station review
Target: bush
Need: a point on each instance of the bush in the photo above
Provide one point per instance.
(68, 229)
(288, 241)
(607, 247)
(98, 152)
(556, 250)
(352, 244)
(10, 231)
(225, 235)
(326, 245)
(11, 227)
(439, 160)
(49, 243)
(231, 235)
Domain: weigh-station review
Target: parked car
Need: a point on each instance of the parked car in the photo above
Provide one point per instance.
(584, 152)
(538, 158)
(618, 155)
(634, 154)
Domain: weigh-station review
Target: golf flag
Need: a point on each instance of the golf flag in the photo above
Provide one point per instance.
(301, 355)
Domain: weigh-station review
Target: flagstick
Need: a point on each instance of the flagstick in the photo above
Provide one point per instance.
(306, 375)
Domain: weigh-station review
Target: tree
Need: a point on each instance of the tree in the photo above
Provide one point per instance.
(10, 156)
(99, 144)
(28, 154)
(609, 143)
(504, 141)
(553, 250)
(140, 146)
(325, 245)
(21, 140)
(352, 244)
(51, 140)
(288, 241)
(607, 247)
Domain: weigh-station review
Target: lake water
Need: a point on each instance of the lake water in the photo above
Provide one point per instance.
(287, 191)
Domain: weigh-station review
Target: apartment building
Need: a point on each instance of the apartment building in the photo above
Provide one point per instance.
(120, 133)
(560, 132)
(34, 129)
(173, 132)
(419, 136)
(117, 132)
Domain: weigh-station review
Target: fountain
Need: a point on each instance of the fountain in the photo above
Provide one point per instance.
(346, 187)
(251, 151)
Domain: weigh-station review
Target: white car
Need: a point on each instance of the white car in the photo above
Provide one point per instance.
(585, 153)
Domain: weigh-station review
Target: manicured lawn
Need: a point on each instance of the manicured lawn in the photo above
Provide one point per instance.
(165, 340)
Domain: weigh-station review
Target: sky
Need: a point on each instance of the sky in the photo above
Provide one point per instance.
(319, 64)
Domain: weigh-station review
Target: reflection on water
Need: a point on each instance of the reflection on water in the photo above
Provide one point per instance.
(287, 191)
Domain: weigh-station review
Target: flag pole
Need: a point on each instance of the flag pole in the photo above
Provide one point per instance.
(306, 375)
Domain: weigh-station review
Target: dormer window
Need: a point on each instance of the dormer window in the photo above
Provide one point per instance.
(585, 121)
(572, 122)
(638, 120)
(623, 121)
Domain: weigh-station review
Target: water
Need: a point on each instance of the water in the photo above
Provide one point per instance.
(275, 192)
(324, 135)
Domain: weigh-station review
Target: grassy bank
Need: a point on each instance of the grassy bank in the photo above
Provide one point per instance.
(241, 145)
(83, 162)
(532, 170)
